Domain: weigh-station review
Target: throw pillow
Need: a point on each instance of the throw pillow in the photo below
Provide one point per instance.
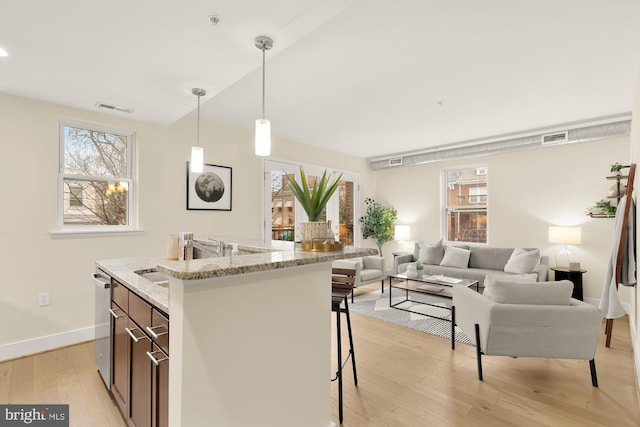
(522, 261)
(490, 279)
(455, 257)
(431, 254)
(540, 293)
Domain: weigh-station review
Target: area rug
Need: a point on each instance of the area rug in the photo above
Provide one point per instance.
(376, 304)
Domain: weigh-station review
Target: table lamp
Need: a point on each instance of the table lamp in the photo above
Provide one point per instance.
(564, 236)
(402, 233)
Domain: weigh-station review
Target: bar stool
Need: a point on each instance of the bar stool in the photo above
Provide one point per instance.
(342, 280)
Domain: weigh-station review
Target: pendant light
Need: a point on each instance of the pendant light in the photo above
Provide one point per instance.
(197, 152)
(263, 126)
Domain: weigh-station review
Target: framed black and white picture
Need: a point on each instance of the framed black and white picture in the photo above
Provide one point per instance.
(209, 190)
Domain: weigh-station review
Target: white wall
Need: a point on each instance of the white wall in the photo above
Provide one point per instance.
(32, 261)
(528, 191)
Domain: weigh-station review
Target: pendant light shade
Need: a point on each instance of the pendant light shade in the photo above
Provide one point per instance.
(263, 126)
(263, 137)
(197, 159)
(197, 153)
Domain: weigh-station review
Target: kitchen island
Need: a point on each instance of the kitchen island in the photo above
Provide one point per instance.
(249, 334)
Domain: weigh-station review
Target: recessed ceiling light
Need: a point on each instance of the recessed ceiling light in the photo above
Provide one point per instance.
(3, 52)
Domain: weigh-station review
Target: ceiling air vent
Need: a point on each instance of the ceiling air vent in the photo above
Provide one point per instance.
(114, 107)
(395, 162)
(554, 138)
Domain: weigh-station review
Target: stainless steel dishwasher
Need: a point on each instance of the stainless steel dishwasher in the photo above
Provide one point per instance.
(102, 287)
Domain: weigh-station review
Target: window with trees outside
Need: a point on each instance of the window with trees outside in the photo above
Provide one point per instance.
(466, 204)
(95, 178)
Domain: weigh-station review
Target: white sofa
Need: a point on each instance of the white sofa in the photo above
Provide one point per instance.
(528, 320)
(480, 262)
(368, 269)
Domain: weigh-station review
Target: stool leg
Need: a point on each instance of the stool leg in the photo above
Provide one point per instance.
(453, 327)
(353, 355)
(339, 364)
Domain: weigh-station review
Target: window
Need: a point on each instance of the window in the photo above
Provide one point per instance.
(286, 213)
(466, 204)
(75, 195)
(95, 178)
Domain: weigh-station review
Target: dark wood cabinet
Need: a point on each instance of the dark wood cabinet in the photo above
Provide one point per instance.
(120, 358)
(140, 378)
(140, 361)
(160, 388)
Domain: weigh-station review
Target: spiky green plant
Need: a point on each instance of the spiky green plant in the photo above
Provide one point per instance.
(313, 202)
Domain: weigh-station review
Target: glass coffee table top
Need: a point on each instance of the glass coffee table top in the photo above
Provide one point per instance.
(430, 284)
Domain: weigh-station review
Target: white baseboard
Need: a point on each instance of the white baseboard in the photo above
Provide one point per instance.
(49, 342)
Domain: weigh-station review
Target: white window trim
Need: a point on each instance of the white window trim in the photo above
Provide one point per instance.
(132, 200)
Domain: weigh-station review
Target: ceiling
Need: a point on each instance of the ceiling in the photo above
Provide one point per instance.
(371, 78)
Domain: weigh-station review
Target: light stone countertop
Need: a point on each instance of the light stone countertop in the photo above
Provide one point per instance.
(123, 270)
(276, 255)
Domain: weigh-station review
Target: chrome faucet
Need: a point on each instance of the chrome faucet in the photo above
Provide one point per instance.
(220, 246)
(194, 244)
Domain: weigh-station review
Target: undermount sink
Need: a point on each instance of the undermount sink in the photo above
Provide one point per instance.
(155, 276)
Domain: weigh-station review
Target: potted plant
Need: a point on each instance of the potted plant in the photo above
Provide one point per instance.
(616, 167)
(602, 207)
(313, 202)
(420, 268)
(378, 222)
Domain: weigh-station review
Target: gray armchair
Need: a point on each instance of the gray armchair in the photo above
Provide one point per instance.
(528, 320)
(368, 269)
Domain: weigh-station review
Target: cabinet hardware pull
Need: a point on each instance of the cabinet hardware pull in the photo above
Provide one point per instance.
(155, 335)
(133, 337)
(154, 360)
(113, 313)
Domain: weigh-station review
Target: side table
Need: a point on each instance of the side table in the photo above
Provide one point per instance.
(575, 276)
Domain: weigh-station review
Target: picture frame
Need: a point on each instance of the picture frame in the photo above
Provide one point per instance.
(210, 190)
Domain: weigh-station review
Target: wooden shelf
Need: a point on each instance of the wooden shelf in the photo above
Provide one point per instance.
(618, 177)
(601, 216)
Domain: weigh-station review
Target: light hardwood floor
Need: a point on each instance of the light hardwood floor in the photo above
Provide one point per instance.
(66, 375)
(409, 378)
(406, 378)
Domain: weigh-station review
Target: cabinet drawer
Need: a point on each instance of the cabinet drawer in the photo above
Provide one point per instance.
(120, 295)
(139, 311)
(159, 330)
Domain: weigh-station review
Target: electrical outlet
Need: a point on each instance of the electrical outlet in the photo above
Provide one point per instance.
(43, 299)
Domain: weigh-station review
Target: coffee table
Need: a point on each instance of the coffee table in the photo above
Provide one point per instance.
(433, 285)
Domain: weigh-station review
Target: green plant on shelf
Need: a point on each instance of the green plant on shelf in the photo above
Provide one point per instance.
(602, 207)
(616, 167)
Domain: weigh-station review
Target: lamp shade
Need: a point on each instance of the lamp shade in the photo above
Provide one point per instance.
(197, 160)
(565, 235)
(403, 232)
(263, 137)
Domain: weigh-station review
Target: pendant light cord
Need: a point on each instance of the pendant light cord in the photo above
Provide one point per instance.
(263, 79)
(198, 134)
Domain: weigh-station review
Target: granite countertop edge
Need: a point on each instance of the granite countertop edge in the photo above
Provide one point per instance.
(124, 269)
